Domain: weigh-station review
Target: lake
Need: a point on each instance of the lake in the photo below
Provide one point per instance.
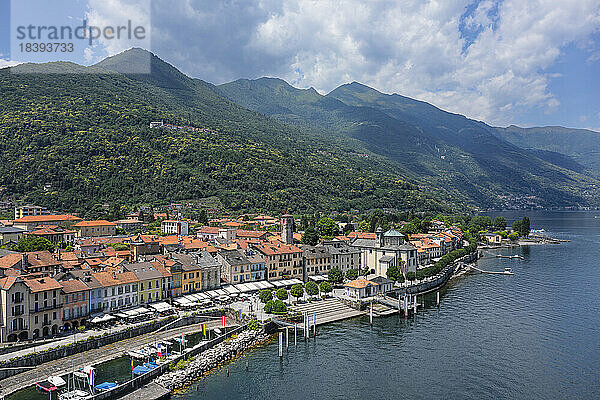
(534, 335)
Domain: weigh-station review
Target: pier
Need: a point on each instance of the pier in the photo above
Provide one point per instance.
(505, 272)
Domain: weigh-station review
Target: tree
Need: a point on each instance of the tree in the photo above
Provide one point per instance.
(265, 295)
(253, 325)
(202, 217)
(120, 246)
(352, 274)
(364, 271)
(513, 236)
(62, 245)
(297, 290)
(33, 243)
(522, 227)
(394, 273)
(281, 294)
(269, 306)
(335, 275)
(311, 288)
(310, 237)
(326, 287)
(363, 226)
(500, 223)
(279, 306)
(525, 226)
(326, 227)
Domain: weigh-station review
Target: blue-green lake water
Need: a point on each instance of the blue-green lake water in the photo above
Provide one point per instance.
(534, 335)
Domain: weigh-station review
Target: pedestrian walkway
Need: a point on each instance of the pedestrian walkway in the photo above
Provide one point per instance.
(328, 310)
(96, 356)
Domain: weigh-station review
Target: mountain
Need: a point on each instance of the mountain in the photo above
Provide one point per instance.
(581, 145)
(440, 150)
(73, 138)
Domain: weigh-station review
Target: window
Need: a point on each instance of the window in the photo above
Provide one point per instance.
(36, 319)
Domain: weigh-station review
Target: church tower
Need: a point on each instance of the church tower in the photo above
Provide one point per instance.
(287, 229)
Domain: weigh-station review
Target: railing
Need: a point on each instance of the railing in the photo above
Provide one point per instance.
(46, 308)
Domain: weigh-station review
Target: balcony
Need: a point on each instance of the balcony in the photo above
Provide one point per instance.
(24, 328)
(48, 307)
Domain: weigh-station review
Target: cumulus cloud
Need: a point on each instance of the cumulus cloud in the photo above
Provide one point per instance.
(486, 59)
(6, 63)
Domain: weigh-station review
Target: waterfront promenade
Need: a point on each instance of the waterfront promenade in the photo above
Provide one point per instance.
(96, 356)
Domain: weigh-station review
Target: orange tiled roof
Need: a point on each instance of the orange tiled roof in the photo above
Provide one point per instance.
(362, 235)
(7, 282)
(100, 222)
(42, 284)
(47, 218)
(10, 260)
(360, 283)
(73, 286)
(278, 248)
(106, 278)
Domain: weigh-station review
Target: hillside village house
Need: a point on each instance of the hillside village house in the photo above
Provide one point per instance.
(95, 228)
(150, 285)
(30, 210)
(174, 227)
(282, 261)
(129, 225)
(40, 262)
(174, 269)
(15, 305)
(142, 245)
(54, 233)
(385, 250)
(76, 299)
(120, 289)
(45, 306)
(360, 288)
(10, 234)
(30, 222)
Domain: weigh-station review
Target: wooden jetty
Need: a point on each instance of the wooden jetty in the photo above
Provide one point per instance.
(507, 271)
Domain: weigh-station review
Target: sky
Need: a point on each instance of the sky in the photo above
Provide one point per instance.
(529, 63)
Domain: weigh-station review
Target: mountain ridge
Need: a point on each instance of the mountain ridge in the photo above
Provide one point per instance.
(281, 148)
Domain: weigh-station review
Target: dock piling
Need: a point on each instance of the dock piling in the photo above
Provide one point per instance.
(287, 338)
(295, 334)
(371, 314)
(315, 325)
(437, 295)
(280, 344)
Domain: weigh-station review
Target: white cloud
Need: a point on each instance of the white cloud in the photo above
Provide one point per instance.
(414, 48)
(6, 63)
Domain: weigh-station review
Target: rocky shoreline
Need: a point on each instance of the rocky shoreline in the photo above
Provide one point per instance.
(211, 359)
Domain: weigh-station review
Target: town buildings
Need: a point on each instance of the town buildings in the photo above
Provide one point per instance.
(387, 249)
(174, 227)
(95, 228)
(282, 261)
(30, 210)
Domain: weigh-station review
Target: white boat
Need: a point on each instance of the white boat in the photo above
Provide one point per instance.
(57, 381)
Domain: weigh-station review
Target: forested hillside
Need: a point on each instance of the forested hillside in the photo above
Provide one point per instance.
(70, 141)
(437, 148)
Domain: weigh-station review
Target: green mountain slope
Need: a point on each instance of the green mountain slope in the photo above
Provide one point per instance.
(439, 149)
(582, 145)
(73, 140)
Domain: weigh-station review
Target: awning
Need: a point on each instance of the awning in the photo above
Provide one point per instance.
(161, 306)
(231, 289)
